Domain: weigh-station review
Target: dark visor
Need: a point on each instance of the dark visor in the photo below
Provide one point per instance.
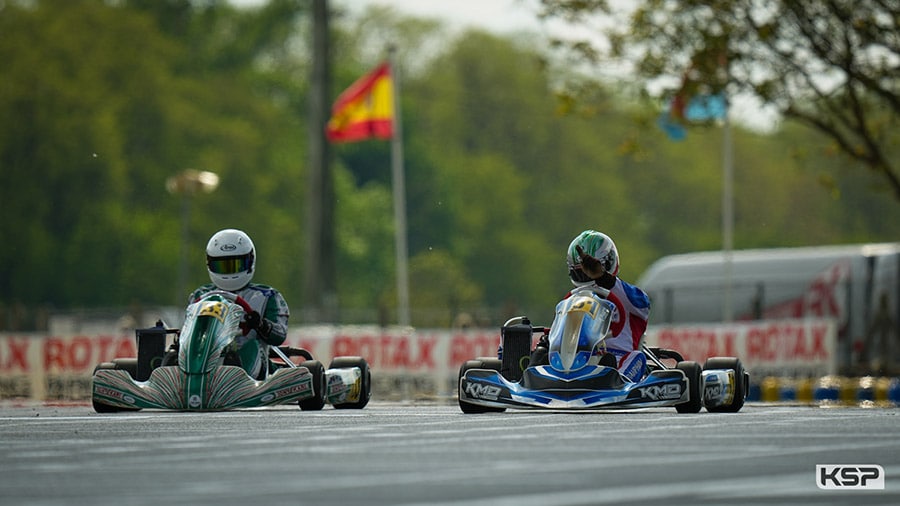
(229, 265)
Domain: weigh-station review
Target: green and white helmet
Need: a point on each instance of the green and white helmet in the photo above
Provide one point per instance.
(597, 245)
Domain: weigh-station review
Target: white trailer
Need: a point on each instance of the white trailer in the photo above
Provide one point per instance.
(857, 285)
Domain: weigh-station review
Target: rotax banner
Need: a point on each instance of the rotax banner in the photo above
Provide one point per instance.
(797, 347)
(413, 364)
(405, 363)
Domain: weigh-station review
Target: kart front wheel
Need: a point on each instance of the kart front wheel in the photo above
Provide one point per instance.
(365, 383)
(317, 401)
(740, 389)
(694, 375)
(480, 363)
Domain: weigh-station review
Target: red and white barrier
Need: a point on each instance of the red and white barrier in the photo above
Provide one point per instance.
(408, 363)
(804, 347)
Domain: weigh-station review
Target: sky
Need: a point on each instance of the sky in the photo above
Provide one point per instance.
(500, 16)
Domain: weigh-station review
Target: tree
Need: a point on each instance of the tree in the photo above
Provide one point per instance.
(103, 107)
(832, 66)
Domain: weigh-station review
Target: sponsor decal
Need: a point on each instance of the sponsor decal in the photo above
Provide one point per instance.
(267, 398)
(482, 391)
(335, 388)
(215, 309)
(850, 476)
(718, 387)
(712, 392)
(295, 389)
(355, 390)
(108, 392)
(661, 392)
(228, 247)
(584, 305)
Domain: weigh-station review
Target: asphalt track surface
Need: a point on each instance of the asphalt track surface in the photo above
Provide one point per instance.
(433, 454)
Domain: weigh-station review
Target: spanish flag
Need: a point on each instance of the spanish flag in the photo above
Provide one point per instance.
(364, 110)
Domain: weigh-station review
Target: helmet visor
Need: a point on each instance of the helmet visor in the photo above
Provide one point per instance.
(229, 265)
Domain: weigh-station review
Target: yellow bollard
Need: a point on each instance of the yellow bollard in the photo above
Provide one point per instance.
(805, 387)
(850, 388)
(770, 390)
(882, 385)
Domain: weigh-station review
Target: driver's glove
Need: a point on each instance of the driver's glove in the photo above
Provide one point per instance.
(594, 268)
(253, 321)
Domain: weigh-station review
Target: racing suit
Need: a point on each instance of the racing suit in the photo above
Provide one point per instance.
(629, 322)
(253, 347)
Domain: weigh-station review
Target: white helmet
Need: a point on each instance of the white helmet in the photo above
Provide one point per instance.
(230, 259)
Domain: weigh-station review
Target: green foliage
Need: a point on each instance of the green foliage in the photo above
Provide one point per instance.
(103, 111)
(830, 66)
(104, 101)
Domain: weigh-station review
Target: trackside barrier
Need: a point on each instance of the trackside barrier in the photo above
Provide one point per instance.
(406, 363)
(828, 391)
(420, 364)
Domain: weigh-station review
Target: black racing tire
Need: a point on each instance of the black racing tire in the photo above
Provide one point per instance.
(666, 354)
(694, 375)
(129, 365)
(292, 352)
(479, 363)
(490, 363)
(317, 401)
(100, 407)
(365, 386)
(740, 389)
(170, 358)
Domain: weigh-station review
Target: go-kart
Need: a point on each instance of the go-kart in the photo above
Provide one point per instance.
(201, 369)
(574, 378)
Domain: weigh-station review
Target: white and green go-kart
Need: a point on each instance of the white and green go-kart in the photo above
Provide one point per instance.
(202, 371)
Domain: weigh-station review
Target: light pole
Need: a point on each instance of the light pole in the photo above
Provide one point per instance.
(187, 183)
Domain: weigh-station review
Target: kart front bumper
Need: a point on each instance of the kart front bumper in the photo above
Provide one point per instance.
(227, 387)
(597, 388)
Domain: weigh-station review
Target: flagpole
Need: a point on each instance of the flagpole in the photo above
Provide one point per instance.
(399, 191)
(727, 218)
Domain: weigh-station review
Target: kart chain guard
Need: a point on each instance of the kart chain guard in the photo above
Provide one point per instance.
(516, 343)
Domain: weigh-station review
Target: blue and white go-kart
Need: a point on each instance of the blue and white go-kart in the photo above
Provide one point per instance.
(573, 378)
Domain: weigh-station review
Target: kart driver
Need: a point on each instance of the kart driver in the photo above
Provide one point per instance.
(592, 258)
(231, 260)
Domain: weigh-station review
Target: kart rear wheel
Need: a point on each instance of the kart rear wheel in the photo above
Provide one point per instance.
(100, 407)
(317, 401)
(365, 385)
(479, 363)
(170, 358)
(694, 375)
(130, 365)
(291, 352)
(740, 389)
